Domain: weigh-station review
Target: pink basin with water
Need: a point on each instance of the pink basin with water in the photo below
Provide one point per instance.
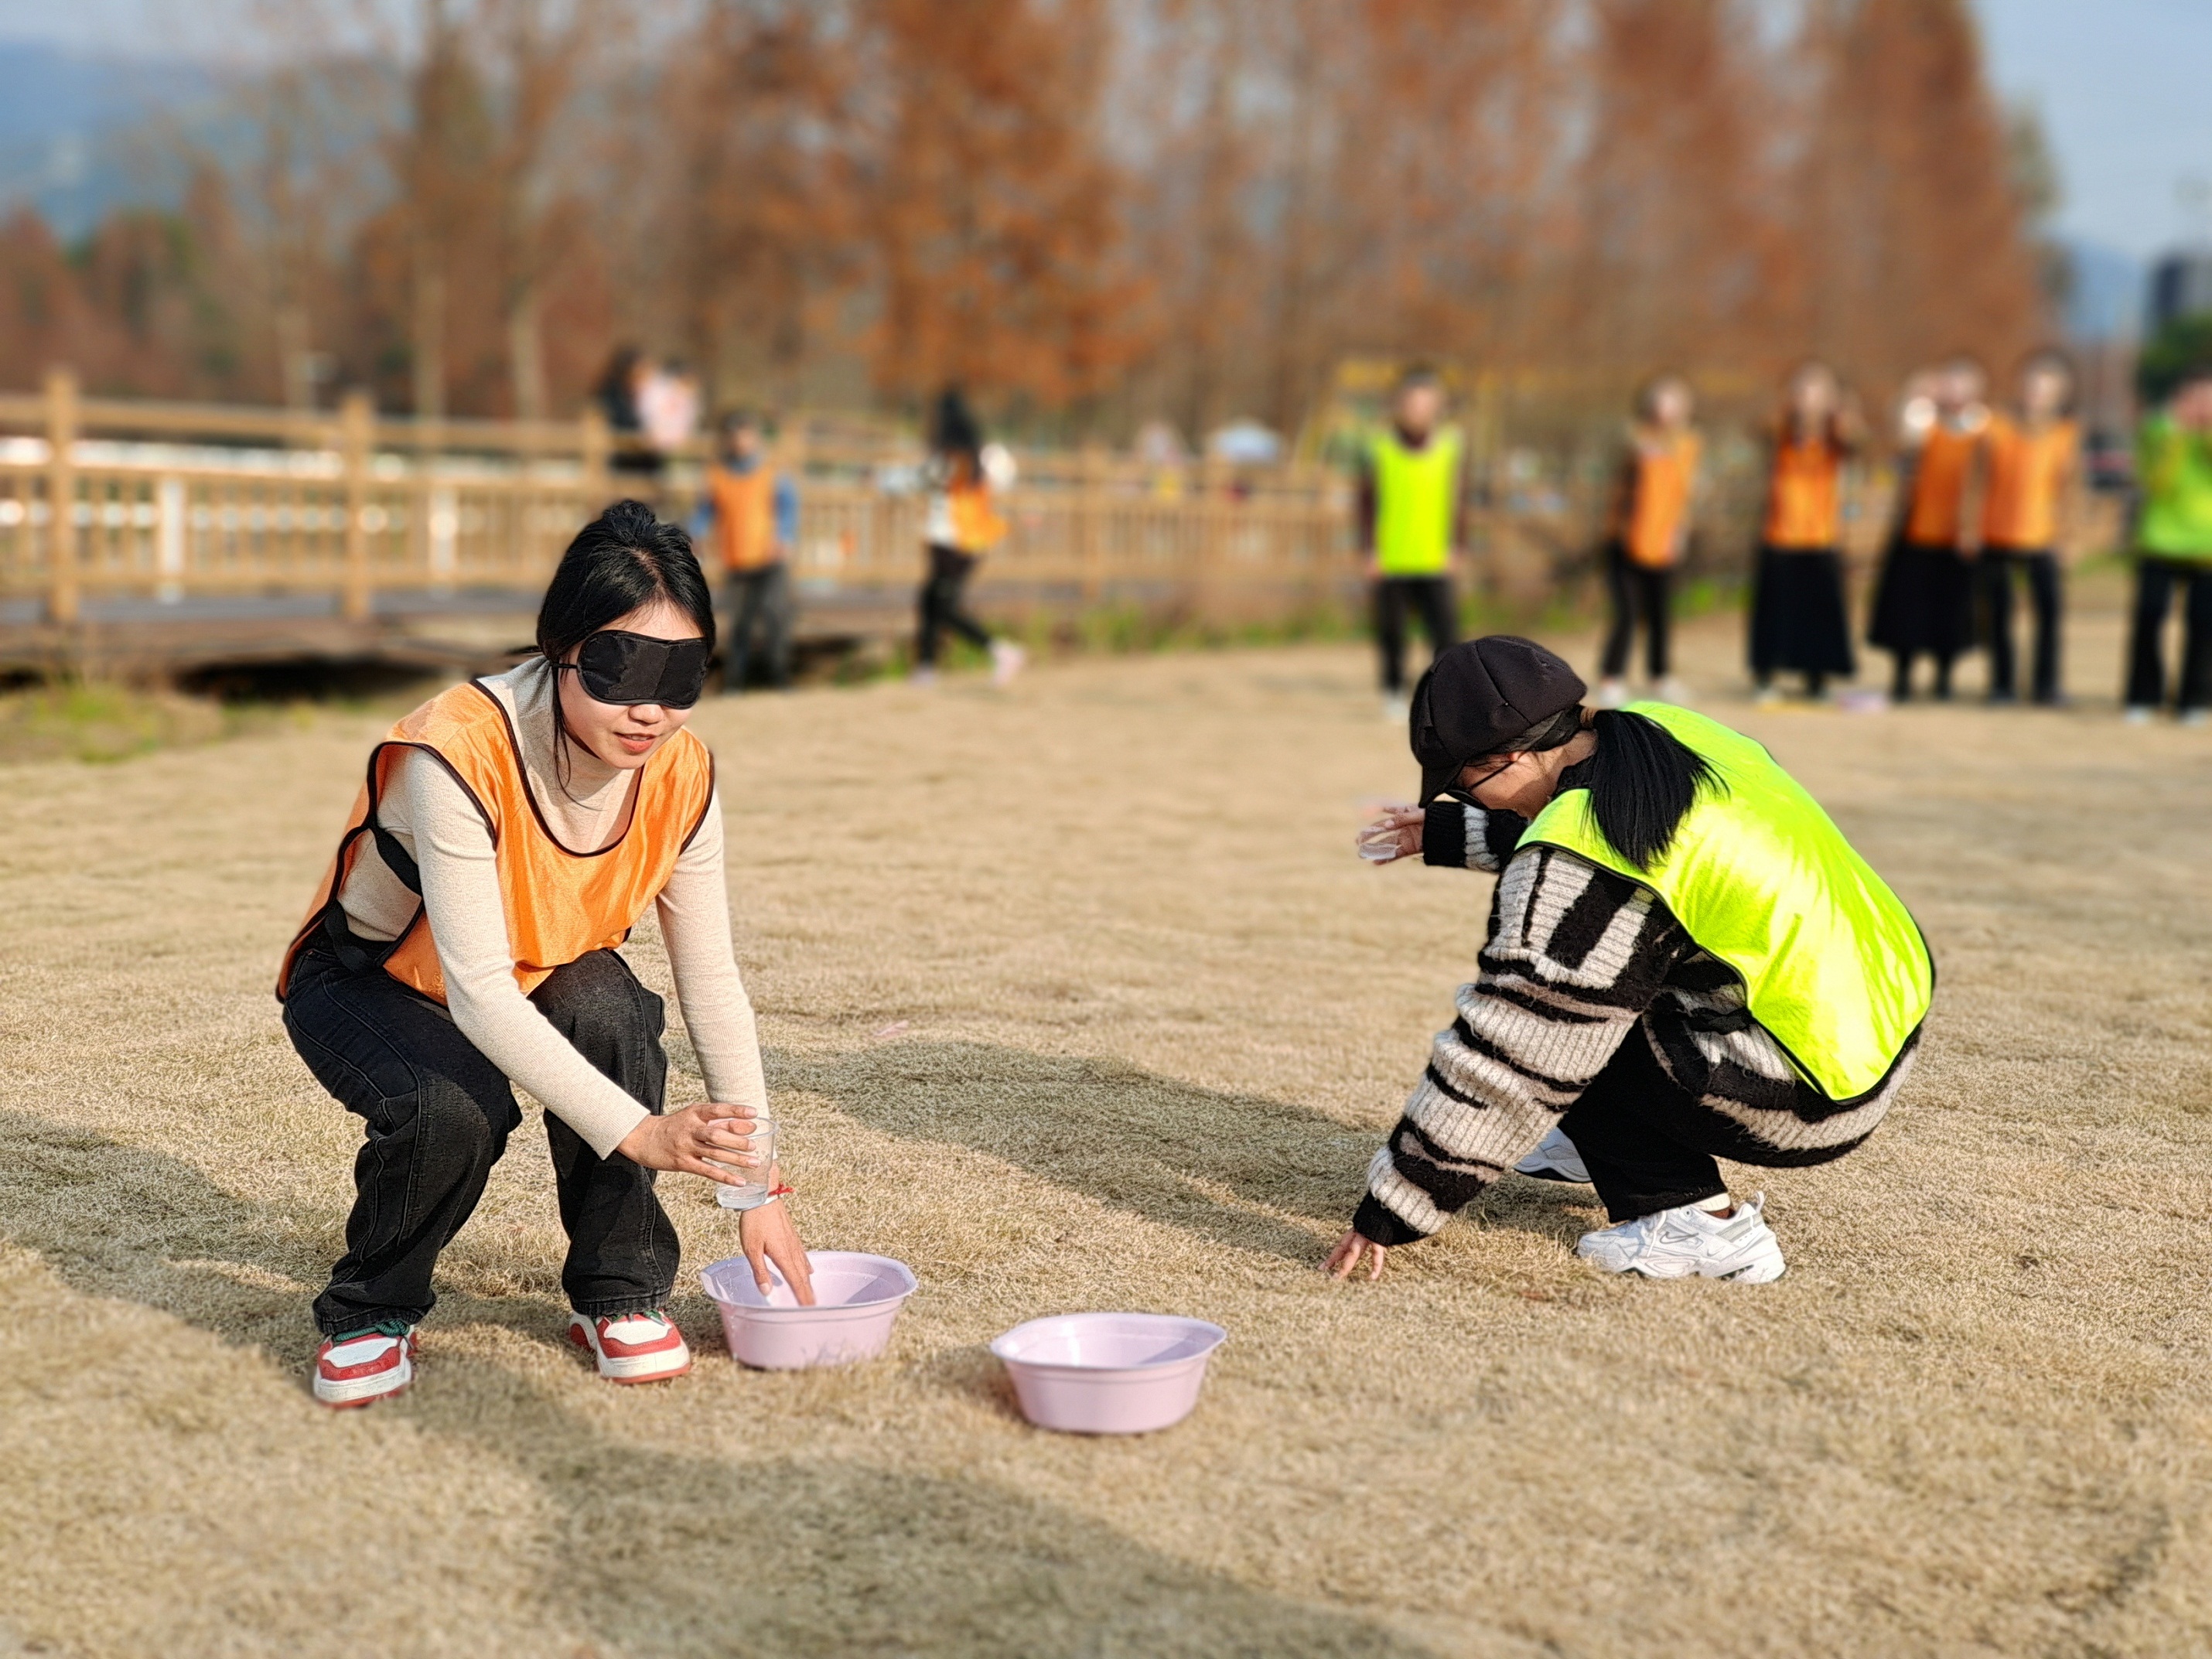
(1108, 1373)
(857, 1298)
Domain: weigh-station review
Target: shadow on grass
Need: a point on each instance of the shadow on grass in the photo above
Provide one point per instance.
(1238, 1170)
(655, 1551)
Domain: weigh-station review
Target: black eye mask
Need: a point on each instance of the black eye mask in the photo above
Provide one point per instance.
(633, 668)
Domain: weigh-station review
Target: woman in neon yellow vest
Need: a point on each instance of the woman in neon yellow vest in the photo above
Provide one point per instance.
(1686, 960)
(1412, 519)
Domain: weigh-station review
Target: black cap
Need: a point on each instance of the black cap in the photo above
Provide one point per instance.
(1479, 697)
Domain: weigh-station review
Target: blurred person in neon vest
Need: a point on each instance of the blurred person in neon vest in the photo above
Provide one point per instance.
(963, 523)
(1411, 522)
(467, 939)
(750, 512)
(2031, 471)
(2173, 547)
(1924, 600)
(1648, 531)
(1798, 621)
(1684, 960)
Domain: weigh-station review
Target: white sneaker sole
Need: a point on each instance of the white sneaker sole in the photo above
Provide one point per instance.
(1552, 1172)
(365, 1390)
(636, 1368)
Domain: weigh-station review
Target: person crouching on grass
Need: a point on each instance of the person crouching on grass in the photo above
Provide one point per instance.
(1685, 959)
(511, 833)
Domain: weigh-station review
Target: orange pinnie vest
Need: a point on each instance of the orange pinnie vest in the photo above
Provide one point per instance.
(744, 516)
(1659, 500)
(1804, 496)
(561, 904)
(2019, 508)
(1939, 487)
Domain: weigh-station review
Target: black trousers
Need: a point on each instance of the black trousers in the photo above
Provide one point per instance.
(2155, 580)
(1636, 590)
(1430, 599)
(438, 1115)
(942, 605)
(760, 620)
(1649, 1142)
(2040, 569)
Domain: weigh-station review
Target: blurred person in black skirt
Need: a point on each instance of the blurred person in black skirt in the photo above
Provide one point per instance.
(1798, 623)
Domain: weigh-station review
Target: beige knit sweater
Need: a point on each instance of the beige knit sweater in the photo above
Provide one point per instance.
(434, 820)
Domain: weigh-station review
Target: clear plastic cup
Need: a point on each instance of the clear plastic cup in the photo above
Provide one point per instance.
(754, 1192)
(1378, 843)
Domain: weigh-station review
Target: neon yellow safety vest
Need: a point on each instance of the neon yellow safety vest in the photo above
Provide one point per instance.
(1416, 499)
(1833, 966)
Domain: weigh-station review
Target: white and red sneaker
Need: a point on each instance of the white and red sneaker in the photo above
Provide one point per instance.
(359, 1367)
(635, 1347)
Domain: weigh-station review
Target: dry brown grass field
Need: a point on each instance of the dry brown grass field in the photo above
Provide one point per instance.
(1075, 997)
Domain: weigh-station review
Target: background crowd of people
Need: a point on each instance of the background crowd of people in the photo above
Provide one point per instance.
(1988, 502)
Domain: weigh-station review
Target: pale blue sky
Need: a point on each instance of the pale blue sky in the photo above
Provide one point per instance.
(2125, 89)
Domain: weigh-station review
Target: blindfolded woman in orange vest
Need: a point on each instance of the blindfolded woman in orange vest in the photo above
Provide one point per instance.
(1651, 529)
(1798, 617)
(511, 833)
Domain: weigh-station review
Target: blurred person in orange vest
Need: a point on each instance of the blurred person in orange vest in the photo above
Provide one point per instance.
(2174, 548)
(751, 513)
(1798, 622)
(1648, 531)
(467, 938)
(1924, 602)
(1410, 523)
(2029, 469)
(963, 523)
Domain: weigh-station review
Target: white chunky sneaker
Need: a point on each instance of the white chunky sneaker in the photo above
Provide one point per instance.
(1671, 689)
(1554, 1159)
(1007, 661)
(637, 1347)
(1396, 708)
(357, 1367)
(1686, 1240)
(1612, 693)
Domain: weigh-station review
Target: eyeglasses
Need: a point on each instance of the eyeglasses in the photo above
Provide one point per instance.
(1464, 793)
(628, 669)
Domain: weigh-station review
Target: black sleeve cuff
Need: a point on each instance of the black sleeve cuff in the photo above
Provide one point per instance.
(1444, 835)
(1502, 833)
(1378, 1223)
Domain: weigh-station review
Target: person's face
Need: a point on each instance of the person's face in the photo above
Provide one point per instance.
(2192, 402)
(1419, 407)
(2043, 391)
(625, 735)
(1957, 387)
(1671, 403)
(1813, 394)
(744, 442)
(1518, 781)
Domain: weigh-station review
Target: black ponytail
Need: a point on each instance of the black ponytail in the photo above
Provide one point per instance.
(1641, 779)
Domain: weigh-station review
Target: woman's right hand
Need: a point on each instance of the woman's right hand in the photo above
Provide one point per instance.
(705, 1139)
(1396, 834)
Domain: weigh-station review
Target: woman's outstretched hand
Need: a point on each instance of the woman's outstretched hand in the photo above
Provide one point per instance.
(1344, 1260)
(768, 1234)
(1396, 834)
(707, 1139)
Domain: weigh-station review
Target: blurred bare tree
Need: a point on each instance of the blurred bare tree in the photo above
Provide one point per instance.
(1097, 210)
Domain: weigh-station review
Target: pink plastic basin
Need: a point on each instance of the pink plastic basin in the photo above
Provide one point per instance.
(1108, 1373)
(857, 1297)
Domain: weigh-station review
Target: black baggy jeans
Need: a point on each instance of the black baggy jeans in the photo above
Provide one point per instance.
(438, 1115)
(2155, 580)
(760, 622)
(1636, 590)
(1647, 1141)
(942, 605)
(2045, 595)
(1428, 598)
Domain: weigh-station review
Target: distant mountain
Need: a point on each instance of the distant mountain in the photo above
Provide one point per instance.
(2107, 301)
(66, 124)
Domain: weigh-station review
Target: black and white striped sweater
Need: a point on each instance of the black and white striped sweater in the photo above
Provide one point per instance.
(1576, 955)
